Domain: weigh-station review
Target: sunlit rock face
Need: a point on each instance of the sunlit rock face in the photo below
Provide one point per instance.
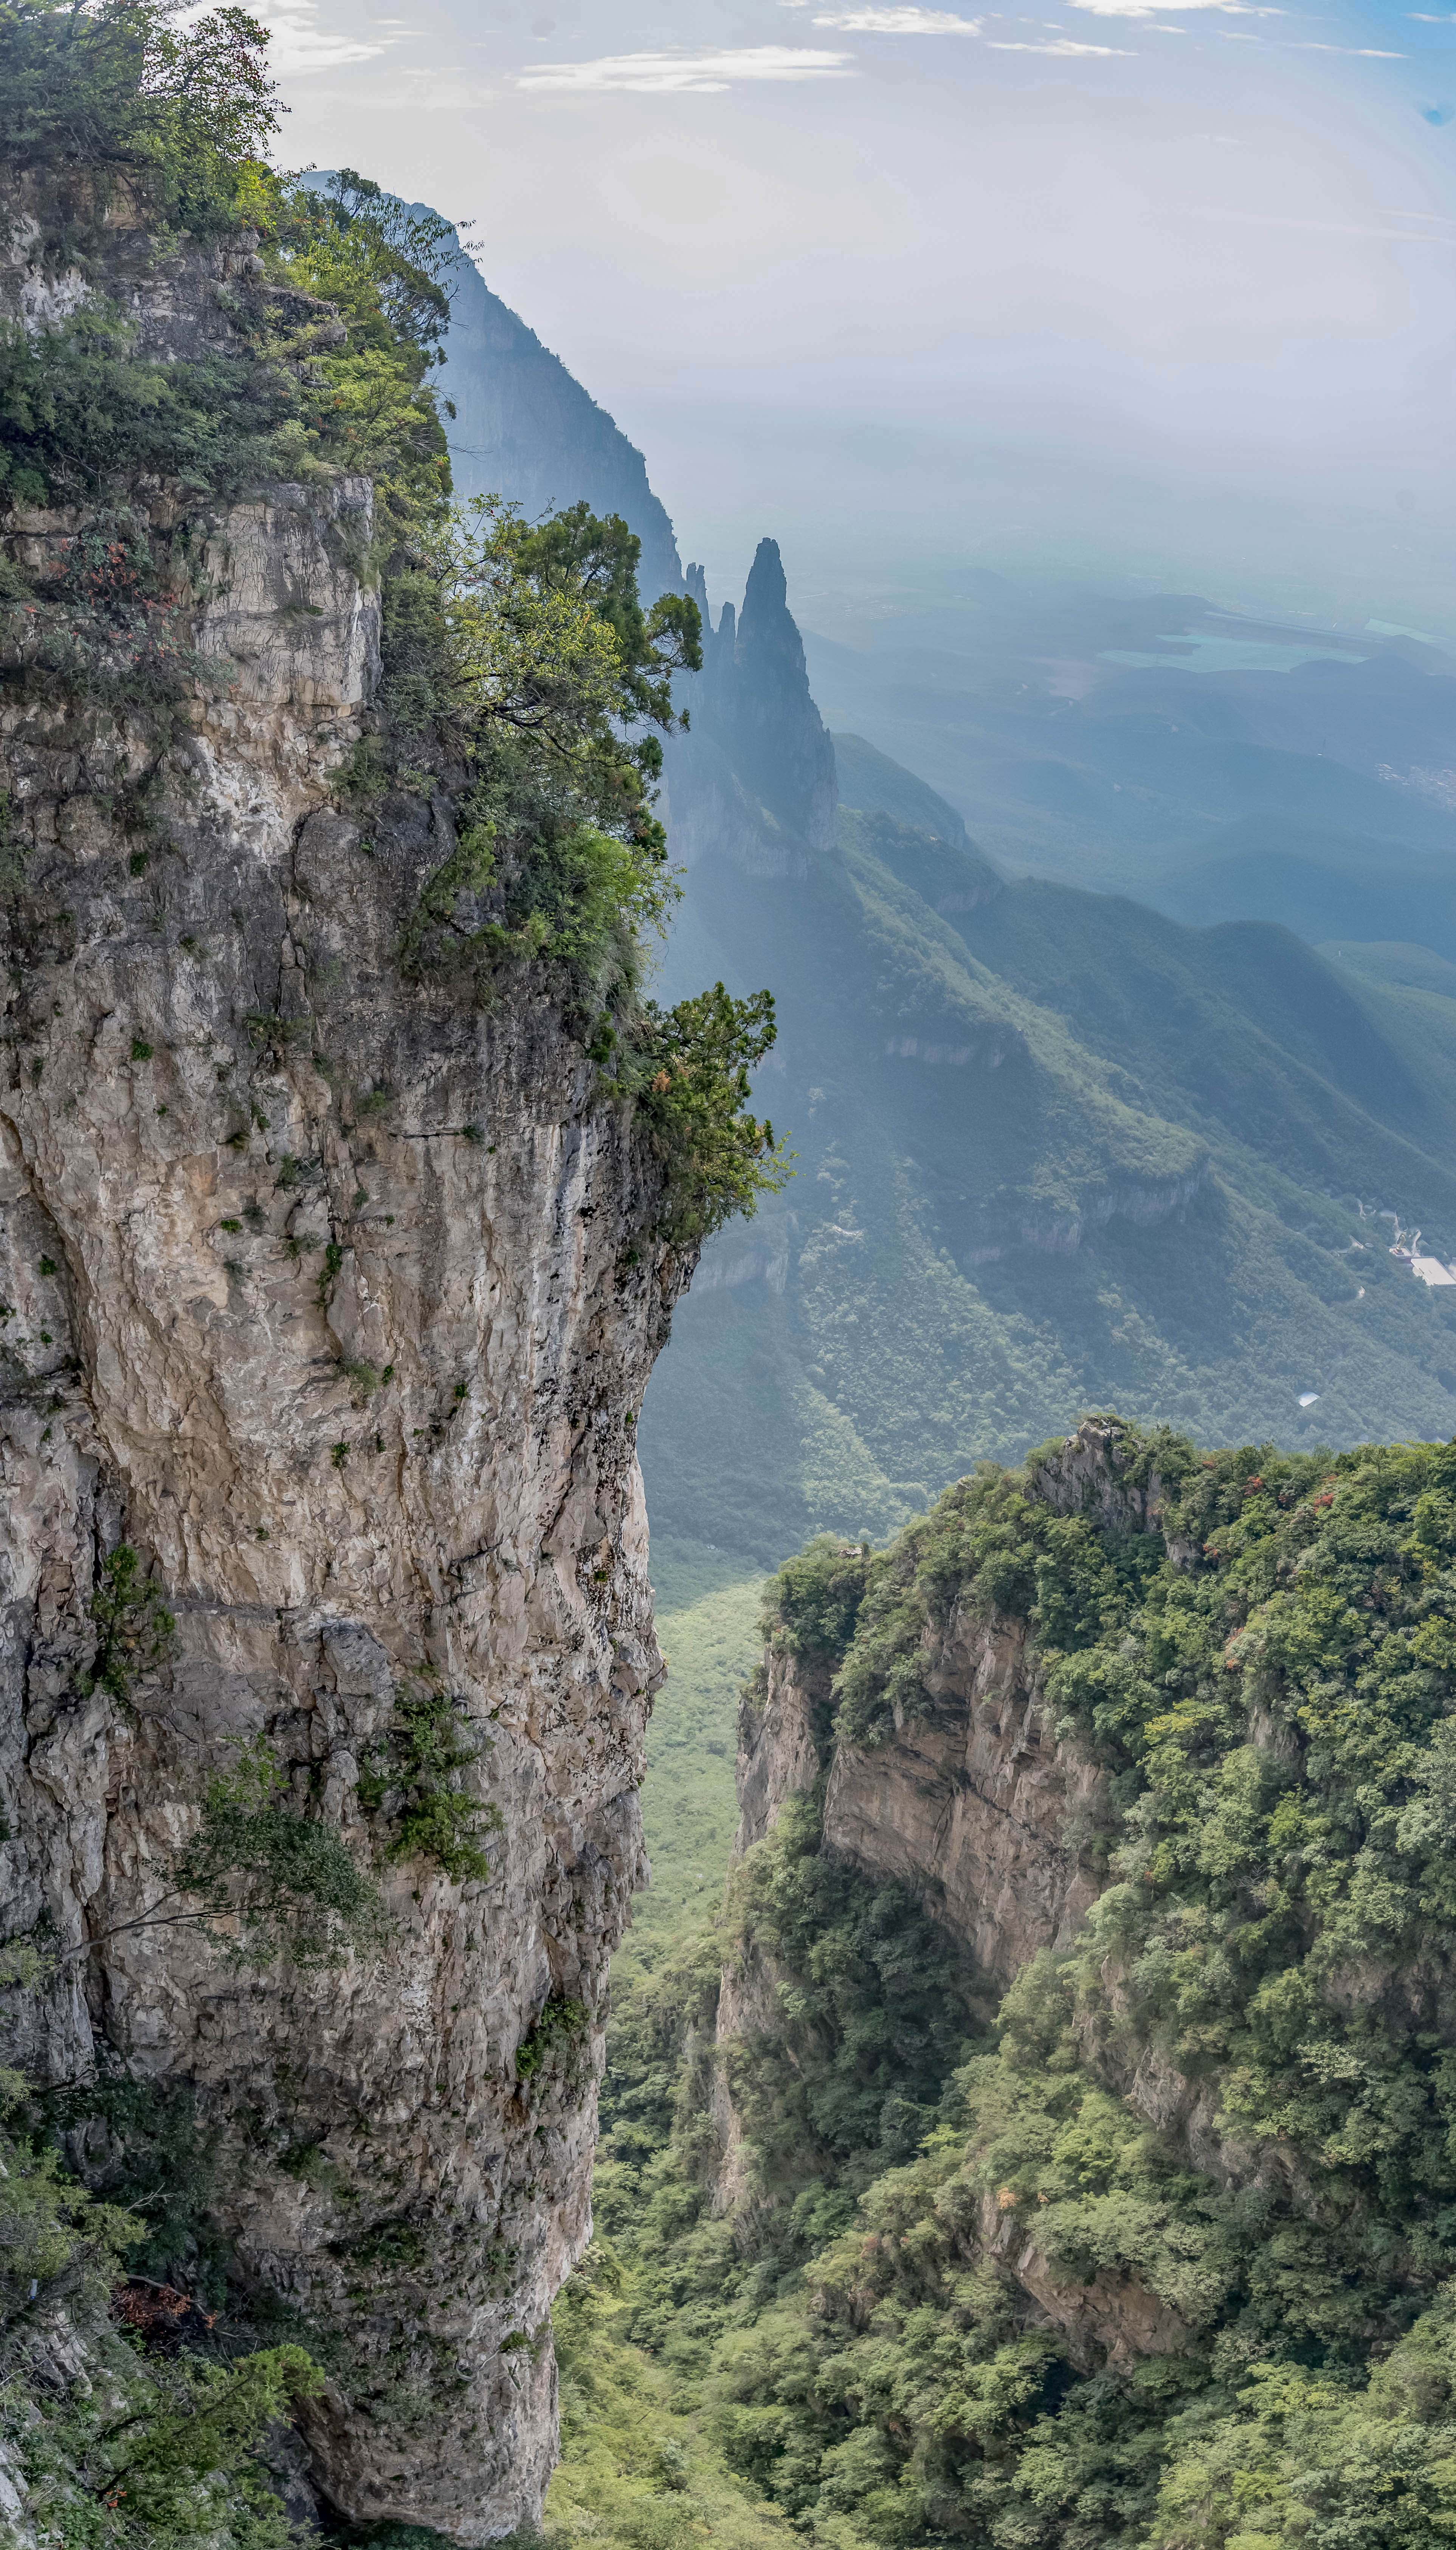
(335, 1297)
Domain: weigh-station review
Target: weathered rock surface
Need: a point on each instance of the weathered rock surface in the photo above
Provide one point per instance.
(978, 1811)
(783, 1720)
(335, 1298)
(968, 1809)
(1104, 2319)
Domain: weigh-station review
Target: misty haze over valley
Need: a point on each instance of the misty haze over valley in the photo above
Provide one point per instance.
(728, 1277)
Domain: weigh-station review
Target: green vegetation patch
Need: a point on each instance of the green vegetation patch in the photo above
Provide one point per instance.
(690, 1068)
(1036, 2319)
(259, 1877)
(134, 1627)
(151, 2446)
(413, 1775)
(555, 2041)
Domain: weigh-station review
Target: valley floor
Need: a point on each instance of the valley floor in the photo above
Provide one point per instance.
(639, 2468)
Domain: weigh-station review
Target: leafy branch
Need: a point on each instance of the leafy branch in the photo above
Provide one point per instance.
(689, 1070)
(548, 637)
(186, 111)
(279, 1883)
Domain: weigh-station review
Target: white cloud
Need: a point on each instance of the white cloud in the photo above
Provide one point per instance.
(299, 45)
(676, 73)
(1297, 222)
(1161, 8)
(1065, 45)
(1358, 52)
(900, 22)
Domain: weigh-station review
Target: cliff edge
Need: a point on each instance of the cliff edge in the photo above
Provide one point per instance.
(331, 1280)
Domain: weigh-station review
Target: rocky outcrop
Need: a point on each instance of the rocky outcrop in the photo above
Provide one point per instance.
(980, 1811)
(753, 780)
(1106, 2318)
(1094, 1472)
(1143, 1202)
(970, 1808)
(334, 1297)
(749, 2006)
(783, 1717)
(975, 1806)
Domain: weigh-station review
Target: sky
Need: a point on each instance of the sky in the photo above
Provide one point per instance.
(1164, 296)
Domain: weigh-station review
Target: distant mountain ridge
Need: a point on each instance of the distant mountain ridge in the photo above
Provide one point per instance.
(525, 427)
(1054, 1149)
(1077, 742)
(1323, 883)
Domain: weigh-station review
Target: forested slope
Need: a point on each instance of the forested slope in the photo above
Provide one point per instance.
(1159, 2252)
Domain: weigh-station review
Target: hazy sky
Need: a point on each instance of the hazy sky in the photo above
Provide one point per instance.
(1164, 290)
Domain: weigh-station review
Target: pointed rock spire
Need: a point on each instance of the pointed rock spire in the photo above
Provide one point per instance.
(783, 753)
(753, 781)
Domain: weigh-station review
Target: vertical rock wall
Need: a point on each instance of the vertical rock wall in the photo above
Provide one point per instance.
(334, 1297)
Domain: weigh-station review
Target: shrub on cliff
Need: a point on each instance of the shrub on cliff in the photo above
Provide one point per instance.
(525, 648)
(120, 90)
(690, 1070)
(143, 2446)
(370, 405)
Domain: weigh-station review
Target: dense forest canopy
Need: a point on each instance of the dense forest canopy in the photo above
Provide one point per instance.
(1165, 2257)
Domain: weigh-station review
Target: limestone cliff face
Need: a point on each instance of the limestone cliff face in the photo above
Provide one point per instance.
(975, 1807)
(246, 1170)
(782, 1716)
(969, 1810)
(979, 1810)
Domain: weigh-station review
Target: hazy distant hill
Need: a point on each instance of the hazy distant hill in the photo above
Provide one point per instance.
(1109, 739)
(1055, 1149)
(525, 427)
(1324, 884)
